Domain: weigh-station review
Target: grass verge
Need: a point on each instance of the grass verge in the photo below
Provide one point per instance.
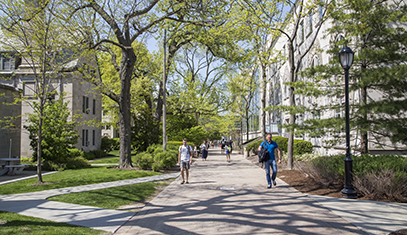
(70, 178)
(12, 223)
(114, 198)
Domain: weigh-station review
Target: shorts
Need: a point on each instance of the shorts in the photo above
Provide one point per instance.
(227, 151)
(223, 146)
(184, 164)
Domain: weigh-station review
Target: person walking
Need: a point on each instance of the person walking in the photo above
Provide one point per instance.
(228, 152)
(184, 160)
(271, 146)
(204, 151)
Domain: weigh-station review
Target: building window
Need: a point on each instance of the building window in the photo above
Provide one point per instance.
(83, 138)
(93, 137)
(29, 88)
(321, 10)
(94, 107)
(85, 104)
(302, 31)
(310, 23)
(6, 62)
(87, 137)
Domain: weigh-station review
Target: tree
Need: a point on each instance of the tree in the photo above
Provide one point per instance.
(35, 33)
(290, 26)
(243, 88)
(375, 30)
(58, 136)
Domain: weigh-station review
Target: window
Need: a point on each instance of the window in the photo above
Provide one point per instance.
(302, 31)
(6, 62)
(310, 23)
(29, 88)
(87, 137)
(93, 137)
(85, 104)
(94, 107)
(83, 138)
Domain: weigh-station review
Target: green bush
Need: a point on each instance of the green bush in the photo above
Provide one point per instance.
(76, 153)
(282, 143)
(302, 147)
(68, 163)
(165, 160)
(253, 147)
(110, 144)
(95, 154)
(144, 160)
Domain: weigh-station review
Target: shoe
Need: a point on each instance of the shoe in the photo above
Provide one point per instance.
(275, 183)
(182, 182)
(269, 186)
(187, 182)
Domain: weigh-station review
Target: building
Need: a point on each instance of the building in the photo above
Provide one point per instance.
(85, 103)
(10, 135)
(278, 91)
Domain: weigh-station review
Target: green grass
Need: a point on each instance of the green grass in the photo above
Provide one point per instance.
(12, 223)
(69, 178)
(117, 153)
(112, 198)
(107, 160)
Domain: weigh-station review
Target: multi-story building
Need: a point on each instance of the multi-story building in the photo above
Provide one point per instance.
(278, 91)
(83, 100)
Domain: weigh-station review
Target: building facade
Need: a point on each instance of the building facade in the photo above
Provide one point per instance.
(84, 101)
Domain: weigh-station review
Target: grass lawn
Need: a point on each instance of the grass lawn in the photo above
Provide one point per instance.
(112, 198)
(117, 152)
(114, 160)
(12, 223)
(69, 178)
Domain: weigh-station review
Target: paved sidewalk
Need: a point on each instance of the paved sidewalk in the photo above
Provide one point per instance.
(35, 204)
(232, 198)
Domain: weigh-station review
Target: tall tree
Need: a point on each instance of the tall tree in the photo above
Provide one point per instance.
(33, 31)
(375, 30)
(291, 27)
(120, 24)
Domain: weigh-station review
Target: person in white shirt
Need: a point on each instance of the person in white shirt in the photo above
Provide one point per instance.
(184, 160)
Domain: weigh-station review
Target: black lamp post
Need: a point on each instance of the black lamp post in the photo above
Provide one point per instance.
(346, 60)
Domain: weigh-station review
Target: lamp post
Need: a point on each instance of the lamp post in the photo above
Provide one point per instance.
(346, 60)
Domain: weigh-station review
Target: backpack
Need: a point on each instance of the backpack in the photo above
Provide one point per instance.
(188, 148)
(263, 155)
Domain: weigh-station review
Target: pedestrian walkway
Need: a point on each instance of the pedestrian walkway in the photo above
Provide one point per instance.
(35, 204)
(232, 198)
(221, 198)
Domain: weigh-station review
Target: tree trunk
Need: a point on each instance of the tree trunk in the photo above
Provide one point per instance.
(39, 150)
(290, 144)
(363, 132)
(263, 102)
(127, 65)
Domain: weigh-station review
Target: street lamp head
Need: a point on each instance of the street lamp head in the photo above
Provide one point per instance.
(346, 57)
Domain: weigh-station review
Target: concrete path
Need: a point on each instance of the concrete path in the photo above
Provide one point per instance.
(232, 198)
(35, 204)
(221, 198)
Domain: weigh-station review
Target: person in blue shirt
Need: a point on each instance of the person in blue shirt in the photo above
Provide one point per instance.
(271, 146)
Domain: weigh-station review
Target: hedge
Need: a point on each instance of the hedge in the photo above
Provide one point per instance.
(300, 146)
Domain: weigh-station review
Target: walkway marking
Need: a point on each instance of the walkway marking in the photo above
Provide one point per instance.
(224, 188)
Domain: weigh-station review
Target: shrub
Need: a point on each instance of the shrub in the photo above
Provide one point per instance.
(253, 147)
(144, 160)
(95, 154)
(302, 147)
(282, 143)
(110, 144)
(166, 160)
(76, 153)
(68, 163)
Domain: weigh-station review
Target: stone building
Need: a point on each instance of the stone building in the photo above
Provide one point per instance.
(84, 100)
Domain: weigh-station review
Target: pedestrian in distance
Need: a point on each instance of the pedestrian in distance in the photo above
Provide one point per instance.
(185, 160)
(271, 163)
(228, 152)
(204, 151)
(223, 143)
